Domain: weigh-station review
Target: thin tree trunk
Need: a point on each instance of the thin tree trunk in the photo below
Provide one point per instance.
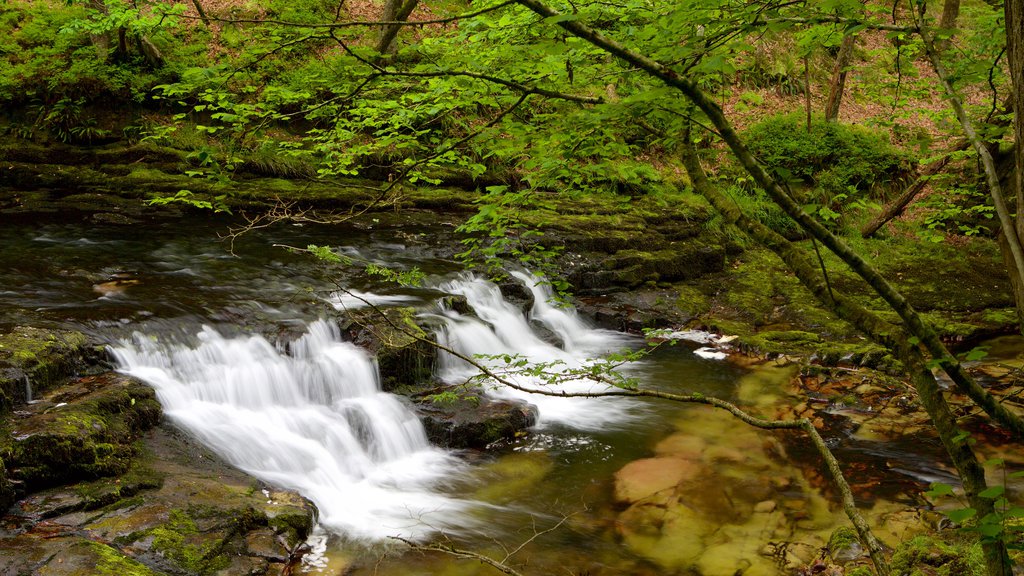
(1014, 15)
(807, 90)
(912, 320)
(201, 12)
(838, 84)
(950, 14)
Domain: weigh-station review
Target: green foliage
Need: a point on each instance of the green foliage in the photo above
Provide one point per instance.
(834, 158)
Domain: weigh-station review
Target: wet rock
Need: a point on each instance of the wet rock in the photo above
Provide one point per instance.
(635, 310)
(394, 339)
(33, 360)
(6, 490)
(81, 431)
(474, 422)
(179, 510)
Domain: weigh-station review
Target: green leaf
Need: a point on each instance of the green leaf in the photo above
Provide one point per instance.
(961, 515)
(558, 18)
(939, 489)
(992, 492)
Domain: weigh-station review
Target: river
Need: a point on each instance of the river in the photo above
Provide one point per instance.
(244, 355)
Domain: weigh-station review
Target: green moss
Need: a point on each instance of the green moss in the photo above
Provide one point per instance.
(842, 537)
(929, 556)
(177, 541)
(110, 562)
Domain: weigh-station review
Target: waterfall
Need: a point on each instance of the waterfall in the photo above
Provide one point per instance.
(313, 420)
(499, 327)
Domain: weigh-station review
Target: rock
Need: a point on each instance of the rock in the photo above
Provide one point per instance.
(178, 510)
(476, 422)
(79, 432)
(402, 358)
(33, 360)
(6, 490)
(642, 479)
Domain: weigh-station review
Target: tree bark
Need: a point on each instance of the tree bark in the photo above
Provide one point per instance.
(395, 11)
(838, 84)
(950, 14)
(201, 12)
(1014, 16)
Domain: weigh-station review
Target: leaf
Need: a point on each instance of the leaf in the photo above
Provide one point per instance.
(961, 515)
(559, 18)
(992, 492)
(939, 489)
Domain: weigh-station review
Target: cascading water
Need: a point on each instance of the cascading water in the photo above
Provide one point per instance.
(500, 328)
(314, 420)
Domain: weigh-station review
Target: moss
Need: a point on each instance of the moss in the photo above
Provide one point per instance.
(40, 357)
(110, 562)
(177, 541)
(929, 556)
(842, 537)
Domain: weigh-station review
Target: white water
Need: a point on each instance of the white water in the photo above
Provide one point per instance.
(314, 421)
(500, 328)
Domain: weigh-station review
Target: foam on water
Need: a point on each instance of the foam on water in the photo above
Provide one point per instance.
(313, 420)
(499, 327)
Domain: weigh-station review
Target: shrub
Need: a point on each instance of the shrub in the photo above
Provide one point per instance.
(833, 158)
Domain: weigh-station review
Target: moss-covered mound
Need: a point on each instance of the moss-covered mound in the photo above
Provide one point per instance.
(83, 432)
(32, 360)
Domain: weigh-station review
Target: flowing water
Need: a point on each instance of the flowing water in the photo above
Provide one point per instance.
(241, 357)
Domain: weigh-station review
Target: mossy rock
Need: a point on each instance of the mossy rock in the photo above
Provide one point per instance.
(929, 556)
(81, 432)
(474, 422)
(402, 357)
(37, 359)
(6, 490)
(684, 261)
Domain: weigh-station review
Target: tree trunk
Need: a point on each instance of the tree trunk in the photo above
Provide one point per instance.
(835, 91)
(394, 11)
(962, 455)
(1009, 226)
(201, 12)
(950, 14)
(1014, 14)
(896, 207)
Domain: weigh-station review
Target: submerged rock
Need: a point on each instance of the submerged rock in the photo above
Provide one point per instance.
(474, 422)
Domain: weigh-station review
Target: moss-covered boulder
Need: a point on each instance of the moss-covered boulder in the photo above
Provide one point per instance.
(82, 431)
(474, 422)
(33, 360)
(403, 358)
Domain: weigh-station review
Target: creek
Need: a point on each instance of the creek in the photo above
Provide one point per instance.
(242, 357)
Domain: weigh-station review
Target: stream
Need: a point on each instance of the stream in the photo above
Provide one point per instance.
(208, 330)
